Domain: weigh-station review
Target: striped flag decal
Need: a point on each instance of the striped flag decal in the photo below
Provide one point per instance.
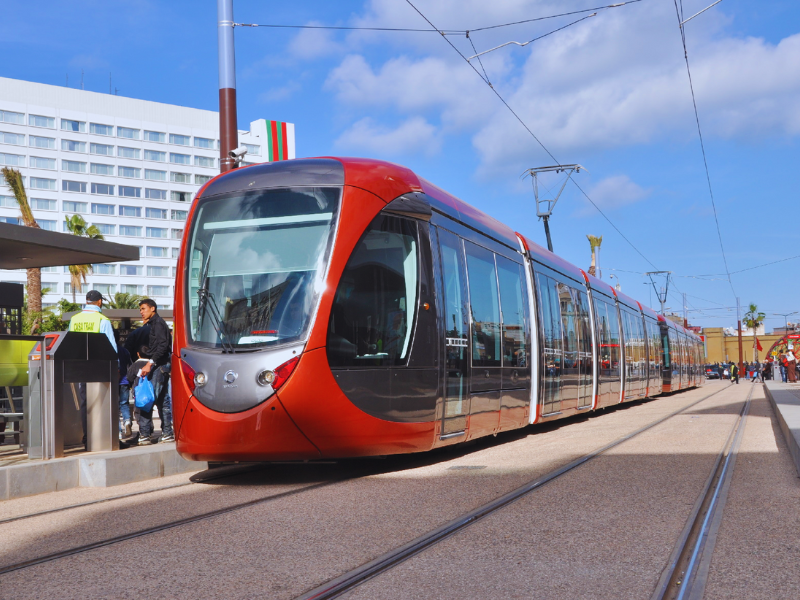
(277, 141)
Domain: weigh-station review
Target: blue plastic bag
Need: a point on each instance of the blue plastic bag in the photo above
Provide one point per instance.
(144, 394)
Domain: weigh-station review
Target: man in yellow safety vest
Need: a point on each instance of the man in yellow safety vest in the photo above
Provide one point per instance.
(91, 320)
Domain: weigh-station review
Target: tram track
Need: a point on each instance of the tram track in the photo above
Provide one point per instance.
(686, 573)
(352, 579)
(359, 575)
(157, 528)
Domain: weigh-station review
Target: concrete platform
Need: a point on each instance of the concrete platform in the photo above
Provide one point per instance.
(92, 469)
(785, 400)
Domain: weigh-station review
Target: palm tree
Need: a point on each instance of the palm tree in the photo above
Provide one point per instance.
(124, 300)
(34, 276)
(752, 320)
(594, 242)
(77, 226)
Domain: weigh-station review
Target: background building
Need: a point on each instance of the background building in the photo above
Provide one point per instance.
(131, 167)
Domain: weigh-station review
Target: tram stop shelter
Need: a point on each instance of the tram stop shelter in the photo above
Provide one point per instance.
(27, 247)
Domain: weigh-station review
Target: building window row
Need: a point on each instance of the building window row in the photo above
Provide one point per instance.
(105, 150)
(129, 133)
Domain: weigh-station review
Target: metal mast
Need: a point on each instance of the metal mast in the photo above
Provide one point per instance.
(661, 294)
(545, 206)
(228, 126)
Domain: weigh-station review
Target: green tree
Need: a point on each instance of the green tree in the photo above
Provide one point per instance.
(123, 300)
(50, 319)
(753, 320)
(78, 273)
(13, 180)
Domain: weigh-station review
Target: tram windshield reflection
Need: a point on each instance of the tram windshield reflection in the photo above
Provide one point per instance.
(256, 265)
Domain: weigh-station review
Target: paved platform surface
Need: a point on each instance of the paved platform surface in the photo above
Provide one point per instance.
(785, 400)
(604, 530)
(21, 477)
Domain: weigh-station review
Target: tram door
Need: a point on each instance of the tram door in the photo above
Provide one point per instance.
(456, 333)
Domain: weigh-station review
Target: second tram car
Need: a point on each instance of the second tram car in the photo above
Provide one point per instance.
(338, 307)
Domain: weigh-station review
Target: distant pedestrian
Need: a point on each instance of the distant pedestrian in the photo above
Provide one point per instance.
(735, 373)
(758, 373)
(783, 362)
(726, 373)
(791, 363)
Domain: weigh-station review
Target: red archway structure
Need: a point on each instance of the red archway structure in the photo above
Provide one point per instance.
(781, 344)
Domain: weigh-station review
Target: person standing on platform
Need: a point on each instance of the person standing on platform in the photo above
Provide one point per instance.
(791, 366)
(157, 370)
(125, 361)
(91, 320)
(735, 373)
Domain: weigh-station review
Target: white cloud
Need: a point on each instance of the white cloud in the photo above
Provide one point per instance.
(415, 135)
(311, 44)
(611, 194)
(411, 86)
(616, 80)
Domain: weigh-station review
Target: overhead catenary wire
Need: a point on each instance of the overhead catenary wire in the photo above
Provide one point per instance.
(528, 129)
(441, 31)
(523, 44)
(679, 13)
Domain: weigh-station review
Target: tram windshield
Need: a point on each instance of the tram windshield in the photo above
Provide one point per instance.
(256, 265)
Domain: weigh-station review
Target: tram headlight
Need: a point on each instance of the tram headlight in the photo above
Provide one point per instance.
(200, 379)
(265, 377)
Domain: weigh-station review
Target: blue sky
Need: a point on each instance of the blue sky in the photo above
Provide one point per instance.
(610, 93)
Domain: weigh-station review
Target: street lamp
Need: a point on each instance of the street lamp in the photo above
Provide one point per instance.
(618, 286)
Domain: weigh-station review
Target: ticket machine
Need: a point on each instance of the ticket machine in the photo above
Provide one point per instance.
(53, 415)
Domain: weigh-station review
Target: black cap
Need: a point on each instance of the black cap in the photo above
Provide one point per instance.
(93, 296)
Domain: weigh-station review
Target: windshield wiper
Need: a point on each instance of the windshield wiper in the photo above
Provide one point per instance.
(216, 320)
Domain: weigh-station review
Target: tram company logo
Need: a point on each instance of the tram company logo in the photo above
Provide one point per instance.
(230, 377)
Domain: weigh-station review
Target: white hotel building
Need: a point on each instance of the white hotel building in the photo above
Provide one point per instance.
(130, 167)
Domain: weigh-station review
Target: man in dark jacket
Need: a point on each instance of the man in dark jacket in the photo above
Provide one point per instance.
(136, 339)
(157, 370)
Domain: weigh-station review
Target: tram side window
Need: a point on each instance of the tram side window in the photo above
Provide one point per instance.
(372, 316)
(568, 320)
(512, 302)
(485, 306)
(614, 340)
(603, 335)
(551, 328)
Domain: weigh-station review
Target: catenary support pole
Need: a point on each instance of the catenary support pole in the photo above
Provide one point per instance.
(739, 322)
(228, 126)
(685, 314)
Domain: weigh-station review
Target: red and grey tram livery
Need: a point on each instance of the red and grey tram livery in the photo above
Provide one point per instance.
(337, 307)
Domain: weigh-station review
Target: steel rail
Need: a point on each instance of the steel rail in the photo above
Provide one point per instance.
(164, 526)
(347, 581)
(686, 572)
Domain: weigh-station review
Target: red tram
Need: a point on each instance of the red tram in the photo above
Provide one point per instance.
(338, 307)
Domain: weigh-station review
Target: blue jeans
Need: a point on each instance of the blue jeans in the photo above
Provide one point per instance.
(160, 378)
(124, 403)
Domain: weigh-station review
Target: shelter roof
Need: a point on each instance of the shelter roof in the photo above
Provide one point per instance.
(27, 247)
